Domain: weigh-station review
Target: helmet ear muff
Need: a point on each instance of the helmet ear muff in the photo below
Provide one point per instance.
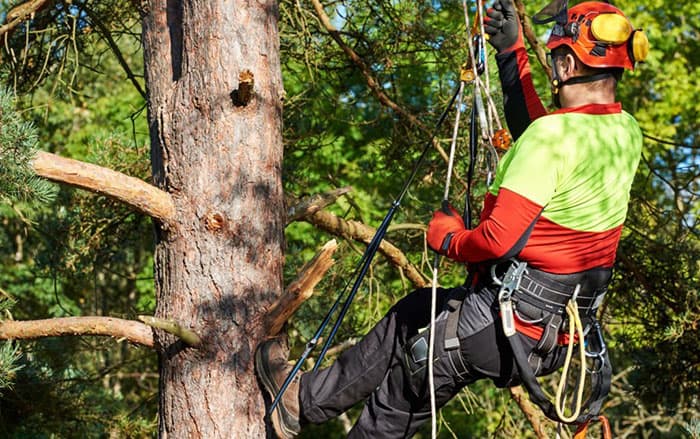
(638, 46)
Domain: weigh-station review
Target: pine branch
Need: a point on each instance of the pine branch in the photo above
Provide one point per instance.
(133, 331)
(18, 144)
(360, 232)
(373, 83)
(9, 356)
(20, 13)
(138, 194)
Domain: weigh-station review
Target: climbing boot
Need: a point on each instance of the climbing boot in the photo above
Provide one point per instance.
(273, 368)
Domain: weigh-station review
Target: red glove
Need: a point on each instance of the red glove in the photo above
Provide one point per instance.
(442, 227)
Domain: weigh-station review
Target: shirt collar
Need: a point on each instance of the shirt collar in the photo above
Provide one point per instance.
(615, 107)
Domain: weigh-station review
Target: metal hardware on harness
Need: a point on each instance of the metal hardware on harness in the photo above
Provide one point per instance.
(600, 355)
(510, 283)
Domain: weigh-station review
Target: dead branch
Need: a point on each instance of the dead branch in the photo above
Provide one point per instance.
(357, 231)
(529, 33)
(310, 205)
(138, 194)
(172, 327)
(20, 13)
(133, 331)
(531, 412)
(300, 289)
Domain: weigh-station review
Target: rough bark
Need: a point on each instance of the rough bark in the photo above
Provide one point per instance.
(130, 330)
(217, 149)
(532, 413)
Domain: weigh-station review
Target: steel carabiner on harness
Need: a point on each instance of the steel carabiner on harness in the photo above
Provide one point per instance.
(509, 284)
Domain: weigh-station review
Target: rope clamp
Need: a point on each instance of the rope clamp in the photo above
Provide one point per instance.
(509, 284)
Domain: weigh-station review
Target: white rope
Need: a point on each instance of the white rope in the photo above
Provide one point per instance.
(433, 296)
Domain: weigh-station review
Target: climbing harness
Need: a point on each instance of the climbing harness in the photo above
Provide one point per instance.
(361, 268)
(531, 296)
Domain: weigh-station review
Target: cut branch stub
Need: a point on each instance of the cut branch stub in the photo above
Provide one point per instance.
(300, 289)
(172, 327)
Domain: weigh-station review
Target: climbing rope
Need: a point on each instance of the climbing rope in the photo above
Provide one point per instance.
(487, 117)
(436, 262)
(575, 330)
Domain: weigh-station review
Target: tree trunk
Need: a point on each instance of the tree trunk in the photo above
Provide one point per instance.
(215, 115)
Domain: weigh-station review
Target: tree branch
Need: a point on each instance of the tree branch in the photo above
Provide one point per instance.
(529, 33)
(172, 327)
(138, 194)
(107, 35)
(20, 13)
(310, 205)
(300, 289)
(531, 412)
(130, 330)
(359, 232)
(369, 78)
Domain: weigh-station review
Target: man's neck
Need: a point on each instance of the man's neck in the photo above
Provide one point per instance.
(576, 95)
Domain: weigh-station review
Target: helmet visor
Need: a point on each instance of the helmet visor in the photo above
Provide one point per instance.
(555, 11)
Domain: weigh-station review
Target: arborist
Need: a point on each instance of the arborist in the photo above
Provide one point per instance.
(540, 259)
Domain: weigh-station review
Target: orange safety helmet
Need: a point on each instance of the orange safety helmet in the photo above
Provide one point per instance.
(600, 35)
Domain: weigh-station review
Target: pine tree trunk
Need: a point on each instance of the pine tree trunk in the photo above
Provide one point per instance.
(217, 148)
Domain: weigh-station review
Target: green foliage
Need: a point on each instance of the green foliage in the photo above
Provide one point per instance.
(18, 143)
(80, 254)
(9, 364)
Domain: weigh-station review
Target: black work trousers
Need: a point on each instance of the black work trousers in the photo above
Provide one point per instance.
(398, 402)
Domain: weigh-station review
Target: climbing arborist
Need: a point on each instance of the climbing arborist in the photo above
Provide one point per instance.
(548, 233)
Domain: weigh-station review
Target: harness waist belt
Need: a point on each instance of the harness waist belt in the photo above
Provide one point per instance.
(543, 291)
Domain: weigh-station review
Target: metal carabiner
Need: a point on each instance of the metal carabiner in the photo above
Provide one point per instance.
(600, 355)
(509, 283)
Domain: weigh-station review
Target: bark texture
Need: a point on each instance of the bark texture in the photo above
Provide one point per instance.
(134, 332)
(217, 149)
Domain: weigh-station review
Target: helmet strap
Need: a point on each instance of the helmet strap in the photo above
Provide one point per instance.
(584, 79)
(557, 83)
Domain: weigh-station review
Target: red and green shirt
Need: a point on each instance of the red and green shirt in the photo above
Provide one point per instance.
(559, 199)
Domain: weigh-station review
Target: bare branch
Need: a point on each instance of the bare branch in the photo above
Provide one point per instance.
(130, 330)
(138, 194)
(359, 232)
(529, 33)
(531, 412)
(300, 289)
(310, 205)
(20, 13)
(172, 327)
(107, 35)
(369, 78)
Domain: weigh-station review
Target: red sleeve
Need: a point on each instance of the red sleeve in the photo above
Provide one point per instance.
(506, 223)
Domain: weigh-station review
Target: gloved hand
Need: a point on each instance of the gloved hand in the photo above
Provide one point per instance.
(441, 229)
(503, 27)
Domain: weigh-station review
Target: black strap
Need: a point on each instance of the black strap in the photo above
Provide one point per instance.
(600, 383)
(454, 304)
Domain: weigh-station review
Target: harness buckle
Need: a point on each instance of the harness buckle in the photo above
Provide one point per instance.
(509, 284)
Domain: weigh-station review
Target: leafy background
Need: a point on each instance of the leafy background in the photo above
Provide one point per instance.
(81, 254)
